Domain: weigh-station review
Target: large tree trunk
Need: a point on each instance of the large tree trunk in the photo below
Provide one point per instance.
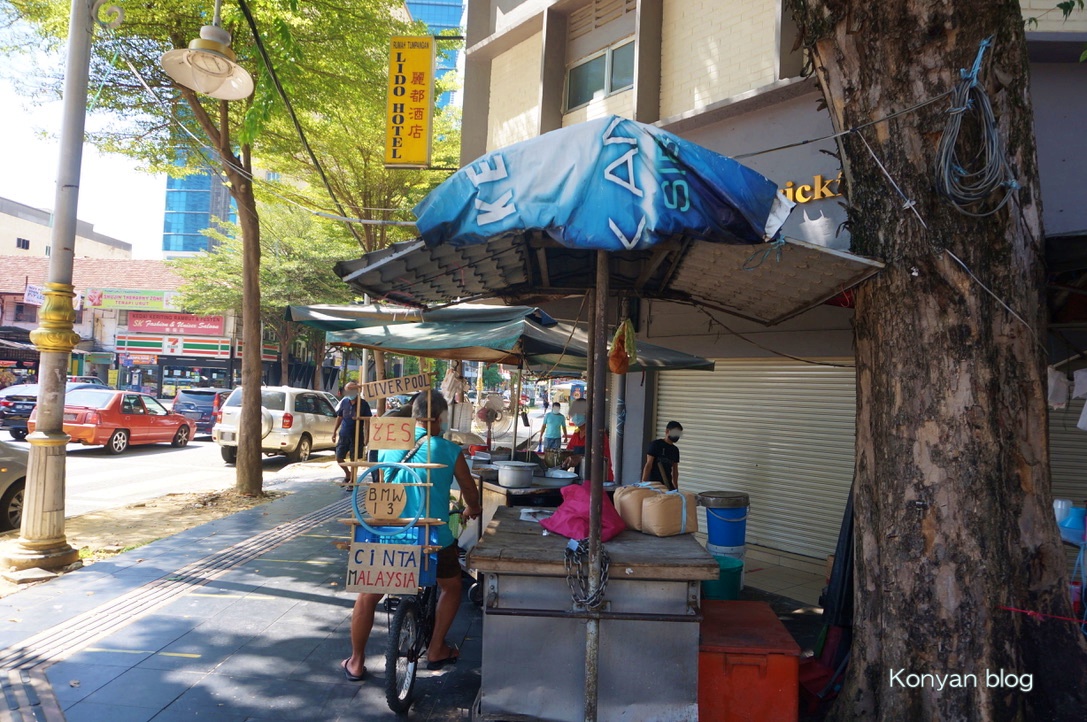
(953, 510)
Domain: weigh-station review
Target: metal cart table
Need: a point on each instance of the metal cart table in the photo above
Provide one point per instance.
(534, 638)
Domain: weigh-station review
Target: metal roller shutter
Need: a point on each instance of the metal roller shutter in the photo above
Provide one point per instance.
(784, 433)
(781, 431)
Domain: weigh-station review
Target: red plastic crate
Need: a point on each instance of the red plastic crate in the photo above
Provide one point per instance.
(747, 664)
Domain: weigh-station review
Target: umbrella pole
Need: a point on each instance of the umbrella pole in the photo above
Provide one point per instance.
(517, 406)
(596, 477)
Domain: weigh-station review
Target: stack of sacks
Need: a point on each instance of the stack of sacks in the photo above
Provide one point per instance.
(628, 501)
(651, 509)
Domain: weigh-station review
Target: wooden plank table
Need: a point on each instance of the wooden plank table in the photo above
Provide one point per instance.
(512, 545)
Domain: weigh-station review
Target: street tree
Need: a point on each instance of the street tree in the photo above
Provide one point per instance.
(298, 251)
(315, 49)
(954, 522)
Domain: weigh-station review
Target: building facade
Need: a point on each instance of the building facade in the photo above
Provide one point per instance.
(441, 16)
(725, 75)
(193, 202)
(27, 232)
(133, 334)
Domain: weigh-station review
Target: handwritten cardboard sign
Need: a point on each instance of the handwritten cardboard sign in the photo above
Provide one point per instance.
(385, 501)
(375, 390)
(390, 432)
(384, 568)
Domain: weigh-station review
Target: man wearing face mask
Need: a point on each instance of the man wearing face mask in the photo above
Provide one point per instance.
(662, 457)
(343, 435)
(438, 451)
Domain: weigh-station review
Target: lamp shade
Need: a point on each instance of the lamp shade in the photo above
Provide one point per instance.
(208, 66)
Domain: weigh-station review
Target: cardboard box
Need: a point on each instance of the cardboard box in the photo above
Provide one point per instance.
(628, 502)
(663, 514)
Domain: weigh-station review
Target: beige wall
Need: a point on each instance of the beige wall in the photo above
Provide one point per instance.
(13, 227)
(715, 49)
(621, 103)
(515, 94)
(1050, 19)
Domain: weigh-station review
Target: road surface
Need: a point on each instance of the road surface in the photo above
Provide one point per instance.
(97, 480)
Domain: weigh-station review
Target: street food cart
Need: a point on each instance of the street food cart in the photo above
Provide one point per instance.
(534, 635)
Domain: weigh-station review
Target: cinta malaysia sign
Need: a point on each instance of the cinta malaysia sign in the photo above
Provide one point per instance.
(132, 300)
(410, 105)
(176, 323)
(384, 568)
(375, 390)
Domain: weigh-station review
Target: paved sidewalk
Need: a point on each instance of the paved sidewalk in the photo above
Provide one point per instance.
(243, 618)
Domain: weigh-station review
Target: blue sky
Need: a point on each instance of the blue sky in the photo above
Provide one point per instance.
(119, 199)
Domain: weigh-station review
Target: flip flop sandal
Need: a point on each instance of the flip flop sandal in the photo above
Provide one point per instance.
(439, 663)
(350, 677)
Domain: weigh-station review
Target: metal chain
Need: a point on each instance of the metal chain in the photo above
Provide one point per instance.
(577, 574)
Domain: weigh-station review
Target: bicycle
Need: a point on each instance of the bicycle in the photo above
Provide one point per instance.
(410, 631)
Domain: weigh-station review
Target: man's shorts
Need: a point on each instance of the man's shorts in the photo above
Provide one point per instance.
(449, 562)
(345, 447)
(554, 444)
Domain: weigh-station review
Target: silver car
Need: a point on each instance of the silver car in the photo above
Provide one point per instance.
(293, 422)
(13, 461)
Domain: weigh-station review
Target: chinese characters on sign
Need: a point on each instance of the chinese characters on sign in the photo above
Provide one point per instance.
(410, 103)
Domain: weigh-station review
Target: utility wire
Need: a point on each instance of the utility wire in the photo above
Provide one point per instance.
(294, 118)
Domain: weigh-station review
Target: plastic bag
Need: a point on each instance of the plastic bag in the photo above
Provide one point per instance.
(571, 519)
(469, 536)
(624, 349)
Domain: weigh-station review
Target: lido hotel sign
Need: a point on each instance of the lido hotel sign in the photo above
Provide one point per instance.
(410, 105)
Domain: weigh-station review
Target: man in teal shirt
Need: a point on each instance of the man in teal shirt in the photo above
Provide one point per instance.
(437, 451)
(554, 429)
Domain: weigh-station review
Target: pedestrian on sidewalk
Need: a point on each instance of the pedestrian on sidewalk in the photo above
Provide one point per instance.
(554, 428)
(441, 451)
(345, 429)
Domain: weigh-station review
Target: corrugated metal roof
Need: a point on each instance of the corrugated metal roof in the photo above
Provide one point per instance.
(766, 282)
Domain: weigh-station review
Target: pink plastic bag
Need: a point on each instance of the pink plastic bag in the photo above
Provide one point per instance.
(571, 519)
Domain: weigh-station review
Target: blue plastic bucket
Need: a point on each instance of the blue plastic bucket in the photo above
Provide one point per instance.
(727, 584)
(726, 517)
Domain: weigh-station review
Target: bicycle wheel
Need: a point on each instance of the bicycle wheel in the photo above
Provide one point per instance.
(402, 656)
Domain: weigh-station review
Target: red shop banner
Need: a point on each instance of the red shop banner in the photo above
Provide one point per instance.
(175, 323)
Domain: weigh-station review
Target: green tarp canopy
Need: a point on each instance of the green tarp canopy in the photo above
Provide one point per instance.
(543, 349)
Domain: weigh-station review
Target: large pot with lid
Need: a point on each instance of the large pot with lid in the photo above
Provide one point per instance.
(515, 474)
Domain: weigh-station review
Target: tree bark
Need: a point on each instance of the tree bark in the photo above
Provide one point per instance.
(953, 509)
(249, 479)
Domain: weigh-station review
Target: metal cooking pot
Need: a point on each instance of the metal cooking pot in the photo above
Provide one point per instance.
(515, 474)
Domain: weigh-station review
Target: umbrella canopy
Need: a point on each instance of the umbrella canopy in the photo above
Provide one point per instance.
(333, 317)
(543, 348)
(679, 223)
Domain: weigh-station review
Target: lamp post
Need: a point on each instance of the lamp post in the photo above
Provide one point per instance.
(41, 542)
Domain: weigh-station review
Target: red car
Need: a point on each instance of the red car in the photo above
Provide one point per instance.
(118, 419)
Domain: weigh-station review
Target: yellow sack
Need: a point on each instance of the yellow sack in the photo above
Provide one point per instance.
(628, 502)
(669, 514)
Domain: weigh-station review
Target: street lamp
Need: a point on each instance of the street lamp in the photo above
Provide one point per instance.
(41, 541)
(208, 65)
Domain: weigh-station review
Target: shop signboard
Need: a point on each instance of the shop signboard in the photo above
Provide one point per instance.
(168, 345)
(34, 295)
(410, 104)
(113, 376)
(181, 324)
(269, 351)
(132, 299)
(139, 359)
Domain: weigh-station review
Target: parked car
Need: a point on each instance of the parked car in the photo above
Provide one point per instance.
(18, 402)
(87, 380)
(293, 422)
(200, 405)
(119, 419)
(13, 461)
